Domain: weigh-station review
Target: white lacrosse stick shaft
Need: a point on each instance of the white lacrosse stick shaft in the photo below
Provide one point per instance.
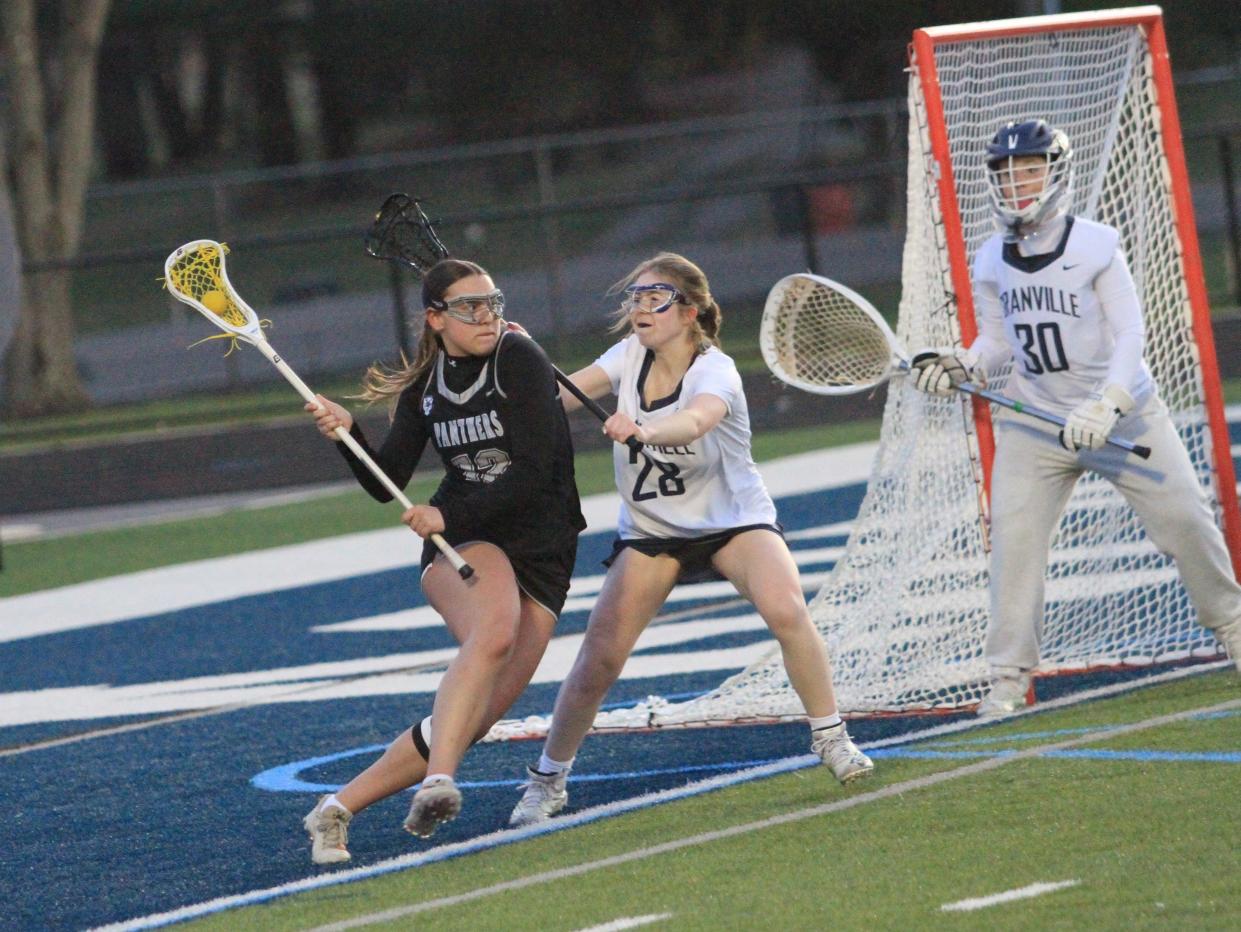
(251, 332)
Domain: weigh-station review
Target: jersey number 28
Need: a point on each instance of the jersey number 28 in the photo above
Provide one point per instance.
(669, 482)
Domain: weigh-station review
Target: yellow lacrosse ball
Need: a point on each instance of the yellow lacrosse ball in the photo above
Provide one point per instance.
(215, 301)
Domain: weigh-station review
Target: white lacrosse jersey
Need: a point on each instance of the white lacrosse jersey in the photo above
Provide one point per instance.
(709, 485)
(1070, 317)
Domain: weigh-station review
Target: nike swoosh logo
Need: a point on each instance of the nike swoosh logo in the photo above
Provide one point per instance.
(1073, 266)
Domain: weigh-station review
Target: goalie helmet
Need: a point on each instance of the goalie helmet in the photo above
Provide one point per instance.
(1017, 209)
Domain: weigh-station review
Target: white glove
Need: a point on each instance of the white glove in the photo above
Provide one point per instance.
(940, 371)
(1088, 425)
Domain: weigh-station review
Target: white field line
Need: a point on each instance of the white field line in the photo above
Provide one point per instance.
(1008, 896)
(186, 585)
(508, 836)
(629, 922)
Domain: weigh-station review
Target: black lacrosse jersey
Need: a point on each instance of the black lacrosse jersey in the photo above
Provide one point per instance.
(500, 430)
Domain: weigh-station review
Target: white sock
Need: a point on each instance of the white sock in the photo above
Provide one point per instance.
(547, 765)
(333, 801)
(432, 779)
(825, 721)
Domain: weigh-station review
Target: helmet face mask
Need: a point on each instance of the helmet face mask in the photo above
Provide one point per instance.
(1016, 158)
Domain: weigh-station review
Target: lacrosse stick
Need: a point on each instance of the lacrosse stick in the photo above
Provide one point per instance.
(824, 338)
(403, 232)
(195, 275)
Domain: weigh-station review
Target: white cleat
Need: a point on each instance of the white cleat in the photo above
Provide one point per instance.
(329, 833)
(1230, 636)
(1007, 695)
(837, 750)
(439, 802)
(545, 796)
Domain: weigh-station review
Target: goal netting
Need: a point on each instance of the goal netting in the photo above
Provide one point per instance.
(904, 611)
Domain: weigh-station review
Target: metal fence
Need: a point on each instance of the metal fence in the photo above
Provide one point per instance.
(555, 218)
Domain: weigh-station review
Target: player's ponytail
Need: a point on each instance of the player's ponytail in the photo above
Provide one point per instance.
(708, 323)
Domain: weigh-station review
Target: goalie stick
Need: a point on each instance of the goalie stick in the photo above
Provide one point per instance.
(822, 337)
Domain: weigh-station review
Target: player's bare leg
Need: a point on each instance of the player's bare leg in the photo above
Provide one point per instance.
(401, 765)
(759, 564)
(635, 588)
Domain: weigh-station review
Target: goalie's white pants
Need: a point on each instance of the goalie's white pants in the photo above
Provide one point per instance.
(1031, 481)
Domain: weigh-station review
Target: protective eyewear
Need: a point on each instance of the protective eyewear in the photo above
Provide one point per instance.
(655, 298)
(475, 309)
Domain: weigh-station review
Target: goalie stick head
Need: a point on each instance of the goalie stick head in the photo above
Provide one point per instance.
(1029, 174)
(822, 337)
(402, 231)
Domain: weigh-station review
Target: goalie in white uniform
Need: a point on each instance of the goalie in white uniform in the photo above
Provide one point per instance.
(1053, 294)
(692, 503)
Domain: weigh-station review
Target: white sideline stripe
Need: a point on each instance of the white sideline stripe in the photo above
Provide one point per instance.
(629, 922)
(1021, 893)
(509, 836)
(202, 582)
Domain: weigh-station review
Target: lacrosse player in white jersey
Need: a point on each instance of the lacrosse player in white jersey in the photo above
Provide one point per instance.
(693, 506)
(1053, 294)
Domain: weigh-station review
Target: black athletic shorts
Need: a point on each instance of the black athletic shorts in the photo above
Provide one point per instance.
(693, 553)
(543, 576)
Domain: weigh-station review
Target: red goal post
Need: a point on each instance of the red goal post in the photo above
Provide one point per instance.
(926, 44)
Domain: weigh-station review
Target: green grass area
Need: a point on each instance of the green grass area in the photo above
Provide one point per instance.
(43, 564)
(1152, 844)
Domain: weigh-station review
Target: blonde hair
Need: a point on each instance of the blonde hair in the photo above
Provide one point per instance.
(382, 383)
(691, 281)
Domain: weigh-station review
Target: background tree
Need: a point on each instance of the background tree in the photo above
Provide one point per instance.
(51, 87)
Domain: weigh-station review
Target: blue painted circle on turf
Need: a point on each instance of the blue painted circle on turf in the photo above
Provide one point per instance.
(286, 777)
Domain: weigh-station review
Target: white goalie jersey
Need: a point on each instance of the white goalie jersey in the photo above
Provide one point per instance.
(709, 485)
(1069, 317)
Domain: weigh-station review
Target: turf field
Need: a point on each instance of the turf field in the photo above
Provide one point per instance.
(1128, 802)
(175, 697)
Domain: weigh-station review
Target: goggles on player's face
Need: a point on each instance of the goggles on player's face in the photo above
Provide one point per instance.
(655, 298)
(477, 309)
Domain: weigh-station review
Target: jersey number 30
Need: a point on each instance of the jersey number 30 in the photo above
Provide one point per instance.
(1043, 348)
(669, 482)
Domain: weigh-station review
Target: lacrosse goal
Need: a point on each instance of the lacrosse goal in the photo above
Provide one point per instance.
(905, 609)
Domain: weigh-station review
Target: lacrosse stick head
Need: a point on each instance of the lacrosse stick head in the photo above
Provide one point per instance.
(821, 337)
(402, 231)
(195, 275)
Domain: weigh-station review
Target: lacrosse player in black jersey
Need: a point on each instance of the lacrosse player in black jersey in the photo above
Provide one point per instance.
(486, 399)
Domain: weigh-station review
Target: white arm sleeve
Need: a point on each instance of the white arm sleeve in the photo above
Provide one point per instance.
(990, 349)
(1118, 298)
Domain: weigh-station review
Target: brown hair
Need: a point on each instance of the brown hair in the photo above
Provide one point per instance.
(692, 282)
(383, 384)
